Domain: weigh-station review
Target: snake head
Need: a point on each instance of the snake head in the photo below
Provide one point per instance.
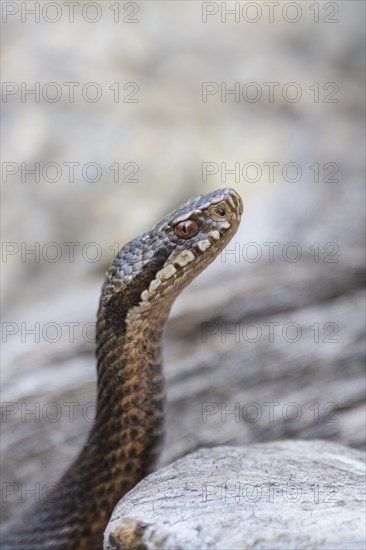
(189, 239)
(154, 268)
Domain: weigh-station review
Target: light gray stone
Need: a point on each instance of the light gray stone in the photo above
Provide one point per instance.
(274, 496)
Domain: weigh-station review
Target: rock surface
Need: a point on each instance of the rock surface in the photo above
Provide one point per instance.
(283, 495)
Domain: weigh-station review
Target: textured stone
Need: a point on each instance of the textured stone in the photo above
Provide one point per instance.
(284, 495)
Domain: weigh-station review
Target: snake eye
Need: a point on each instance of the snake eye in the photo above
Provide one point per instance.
(186, 229)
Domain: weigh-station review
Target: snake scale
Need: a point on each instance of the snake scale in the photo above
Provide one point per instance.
(124, 442)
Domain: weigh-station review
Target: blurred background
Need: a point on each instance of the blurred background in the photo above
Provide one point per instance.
(131, 114)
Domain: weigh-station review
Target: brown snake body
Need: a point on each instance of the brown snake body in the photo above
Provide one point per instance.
(140, 288)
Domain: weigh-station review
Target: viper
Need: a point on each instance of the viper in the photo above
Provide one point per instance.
(122, 447)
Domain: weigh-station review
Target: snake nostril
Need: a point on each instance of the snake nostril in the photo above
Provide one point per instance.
(221, 211)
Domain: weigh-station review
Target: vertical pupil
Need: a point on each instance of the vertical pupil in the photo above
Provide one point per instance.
(186, 229)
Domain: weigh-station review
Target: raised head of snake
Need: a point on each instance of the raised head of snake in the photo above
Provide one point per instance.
(140, 288)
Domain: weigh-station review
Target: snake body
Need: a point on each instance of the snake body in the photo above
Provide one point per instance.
(140, 288)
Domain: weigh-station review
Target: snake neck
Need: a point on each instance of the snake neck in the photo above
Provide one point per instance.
(126, 437)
